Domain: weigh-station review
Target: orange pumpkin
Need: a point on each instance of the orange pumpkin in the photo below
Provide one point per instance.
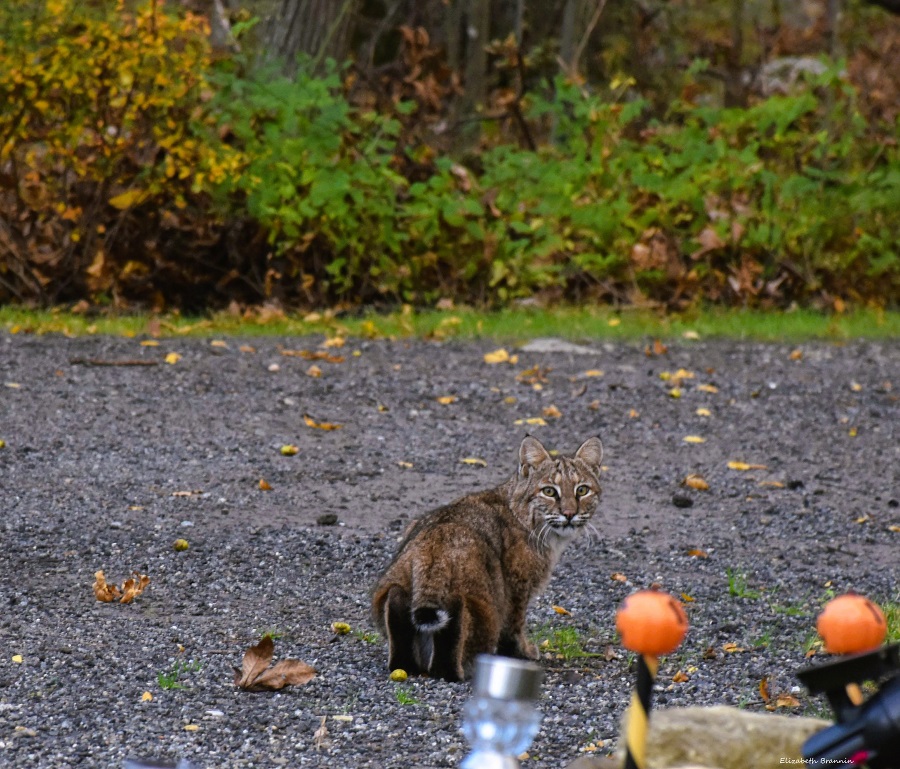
(850, 624)
(651, 622)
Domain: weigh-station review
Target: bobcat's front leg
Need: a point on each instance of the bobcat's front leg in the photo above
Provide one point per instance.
(513, 641)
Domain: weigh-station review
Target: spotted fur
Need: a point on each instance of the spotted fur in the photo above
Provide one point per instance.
(464, 574)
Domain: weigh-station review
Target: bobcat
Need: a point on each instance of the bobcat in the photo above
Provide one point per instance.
(464, 574)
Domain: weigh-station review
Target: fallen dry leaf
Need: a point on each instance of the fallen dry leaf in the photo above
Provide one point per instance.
(697, 482)
(696, 552)
(551, 412)
(534, 375)
(405, 465)
(764, 690)
(895, 529)
(561, 610)
(320, 736)
(796, 355)
(702, 412)
(172, 358)
(446, 400)
(732, 648)
(255, 675)
(335, 341)
(314, 371)
(146, 697)
(658, 348)
(693, 439)
(618, 577)
(473, 461)
(310, 422)
(687, 598)
(186, 493)
(499, 356)
(133, 587)
(743, 466)
(633, 413)
(289, 450)
(772, 484)
(191, 728)
(264, 485)
(313, 355)
(535, 421)
(103, 590)
(707, 388)
(593, 372)
(787, 701)
(680, 677)
(221, 344)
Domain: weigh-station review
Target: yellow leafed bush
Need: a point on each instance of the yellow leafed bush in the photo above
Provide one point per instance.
(98, 115)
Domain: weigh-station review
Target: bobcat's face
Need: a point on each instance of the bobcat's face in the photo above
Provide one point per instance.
(565, 498)
(559, 494)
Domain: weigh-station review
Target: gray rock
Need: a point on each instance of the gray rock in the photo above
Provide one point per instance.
(551, 344)
(725, 738)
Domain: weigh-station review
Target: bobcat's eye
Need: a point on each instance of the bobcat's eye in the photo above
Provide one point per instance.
(582, 491)
(549, 491)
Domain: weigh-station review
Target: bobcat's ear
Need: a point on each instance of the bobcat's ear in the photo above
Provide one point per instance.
(591, 453)
(531, 454)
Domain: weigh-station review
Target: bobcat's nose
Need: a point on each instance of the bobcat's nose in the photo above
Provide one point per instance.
(569, 515)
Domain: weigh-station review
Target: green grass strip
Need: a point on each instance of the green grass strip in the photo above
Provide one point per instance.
(573, 323)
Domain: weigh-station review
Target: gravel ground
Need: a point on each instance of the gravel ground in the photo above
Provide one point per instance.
(96, 456)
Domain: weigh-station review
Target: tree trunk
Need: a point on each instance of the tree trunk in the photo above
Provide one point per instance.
(319, 29)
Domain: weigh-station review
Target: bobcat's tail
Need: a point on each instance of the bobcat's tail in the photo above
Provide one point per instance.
(430, 619)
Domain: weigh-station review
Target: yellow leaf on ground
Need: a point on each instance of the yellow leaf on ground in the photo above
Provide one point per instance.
(772, 484)
(680, 677)
(219, 343)
(310, 422)
(743, 466)
(18, 658)
(247, 348)
(693, 439)
(289, 450)
(551, 412)
(561, 610)
(335, 341)
(314, 371)
(593, 372)
(405, 465)
(149, 343)
(894, 528)
(856, 387)
(675, 392)
(613, 322)
(702, 412)
(732, 648)
(473, 461)
(633, 414)
(497, 356)
(128, 199)
(687, 598)
(618, 577)
(172, 358)
(264, 485)
(787, 701)
(446, 400)
(146, 697)
(534, 421)
(796, 355)
(191, 728)
(707, 388)
(697, 482)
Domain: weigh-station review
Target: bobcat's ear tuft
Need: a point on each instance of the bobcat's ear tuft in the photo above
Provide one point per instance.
(591, 453)
(531, 454)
